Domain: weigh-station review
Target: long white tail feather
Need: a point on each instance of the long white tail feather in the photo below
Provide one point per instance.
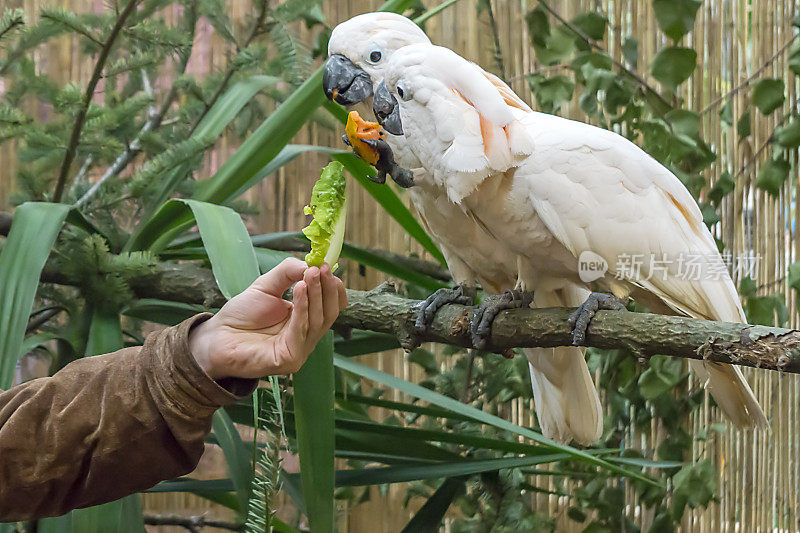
(733, 395)
(726, 383)
(564, 395)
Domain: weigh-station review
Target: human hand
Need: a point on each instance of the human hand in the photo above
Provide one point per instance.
(257, 333)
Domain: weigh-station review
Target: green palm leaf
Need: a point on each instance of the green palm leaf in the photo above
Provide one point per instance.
(29, 242)
(237, 457)
(259, 149)
(227, 243)
(446, 402)
(313, 404)
(212, 126)
(431, 514)
(405, 473)
(235, 266)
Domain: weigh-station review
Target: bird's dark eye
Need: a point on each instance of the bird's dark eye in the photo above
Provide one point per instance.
(375, 56)
(400, 92)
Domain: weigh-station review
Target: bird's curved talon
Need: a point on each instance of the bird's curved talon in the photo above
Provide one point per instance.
(481, 323)
(582, 316)
(460, 294)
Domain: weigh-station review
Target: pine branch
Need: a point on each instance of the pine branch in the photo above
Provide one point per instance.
(153, 122)
(32, 36)
(266, 465)
(74, 140)
(71, 21)
(125, 157)
(10, 20)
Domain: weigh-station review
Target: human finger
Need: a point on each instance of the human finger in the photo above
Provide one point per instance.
(297, 328)
(342, 294)
(330, 295)
(279, 279)
(316, 315)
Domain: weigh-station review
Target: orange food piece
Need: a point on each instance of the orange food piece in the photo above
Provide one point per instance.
(357, 130)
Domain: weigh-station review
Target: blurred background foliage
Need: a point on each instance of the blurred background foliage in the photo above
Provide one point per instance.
(148, 159)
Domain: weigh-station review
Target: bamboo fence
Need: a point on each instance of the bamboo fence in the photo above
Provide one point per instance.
(736, 41)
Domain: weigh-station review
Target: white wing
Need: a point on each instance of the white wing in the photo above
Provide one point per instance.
(597, 191)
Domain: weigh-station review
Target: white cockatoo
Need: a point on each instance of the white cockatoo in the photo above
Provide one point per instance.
(552, 192)
(358, 51)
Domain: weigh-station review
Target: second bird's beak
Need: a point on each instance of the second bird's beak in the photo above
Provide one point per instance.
(344, 82)
(386, 110)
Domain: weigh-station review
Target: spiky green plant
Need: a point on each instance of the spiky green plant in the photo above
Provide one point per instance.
(266, 459)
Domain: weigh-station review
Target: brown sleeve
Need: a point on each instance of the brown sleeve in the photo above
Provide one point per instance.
(107, 426)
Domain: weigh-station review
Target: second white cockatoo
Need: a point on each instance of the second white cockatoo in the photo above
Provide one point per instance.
(552, 192)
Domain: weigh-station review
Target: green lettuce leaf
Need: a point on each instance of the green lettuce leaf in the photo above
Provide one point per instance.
(329, 208)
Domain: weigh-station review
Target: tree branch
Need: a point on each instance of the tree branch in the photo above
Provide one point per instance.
(41, 319)
(643, 333)
(257, 29)
(752, 77)
(646, 87)
(75, 137)
(383, 311)
(192, 523)
(753, 159)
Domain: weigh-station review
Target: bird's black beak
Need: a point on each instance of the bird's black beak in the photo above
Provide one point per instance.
(386, 110)
(344, 82)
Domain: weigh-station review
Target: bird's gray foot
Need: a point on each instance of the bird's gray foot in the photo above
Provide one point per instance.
(460, 294)
(386, 164)
(583, 315)
(481, 323)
